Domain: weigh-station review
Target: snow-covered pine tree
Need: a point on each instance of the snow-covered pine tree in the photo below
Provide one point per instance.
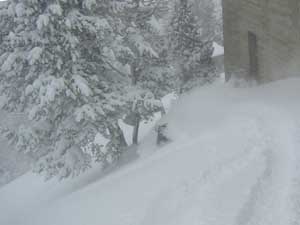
(3, 20)
(5, 26)
(190, 48)
(209, 17)
(160, 77)
(205, 15)
(148, 70)
(57, 72)
(218, 12)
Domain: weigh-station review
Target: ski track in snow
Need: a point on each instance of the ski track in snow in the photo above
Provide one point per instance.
(295, 193)
(268, 202)
(273, 199)
(186, 190)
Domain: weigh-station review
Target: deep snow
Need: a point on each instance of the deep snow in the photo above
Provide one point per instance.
(234, 160)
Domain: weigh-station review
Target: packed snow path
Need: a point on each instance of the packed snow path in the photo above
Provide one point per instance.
(255, 186)
(238, 164)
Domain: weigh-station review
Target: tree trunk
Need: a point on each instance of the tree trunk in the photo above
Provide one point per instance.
(135, 135)
(183, 79)
(135, 71)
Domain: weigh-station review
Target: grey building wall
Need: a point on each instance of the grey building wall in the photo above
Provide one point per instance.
(276, 26)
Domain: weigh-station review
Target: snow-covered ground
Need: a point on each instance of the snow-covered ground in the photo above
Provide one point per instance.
(234, 160)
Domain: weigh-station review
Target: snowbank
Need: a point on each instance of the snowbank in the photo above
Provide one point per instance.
(233, 160)
(218, 50)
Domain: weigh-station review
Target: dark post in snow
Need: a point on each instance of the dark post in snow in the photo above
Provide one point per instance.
(137, 118)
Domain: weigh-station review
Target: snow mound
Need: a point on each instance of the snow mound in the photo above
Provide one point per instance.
(234, 160)
(218, 50)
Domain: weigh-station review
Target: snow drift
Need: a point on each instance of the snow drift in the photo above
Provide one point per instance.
(233, 160)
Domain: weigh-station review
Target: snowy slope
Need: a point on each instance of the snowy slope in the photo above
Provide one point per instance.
(234, 160)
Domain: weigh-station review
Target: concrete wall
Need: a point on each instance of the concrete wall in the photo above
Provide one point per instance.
(276, 25)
